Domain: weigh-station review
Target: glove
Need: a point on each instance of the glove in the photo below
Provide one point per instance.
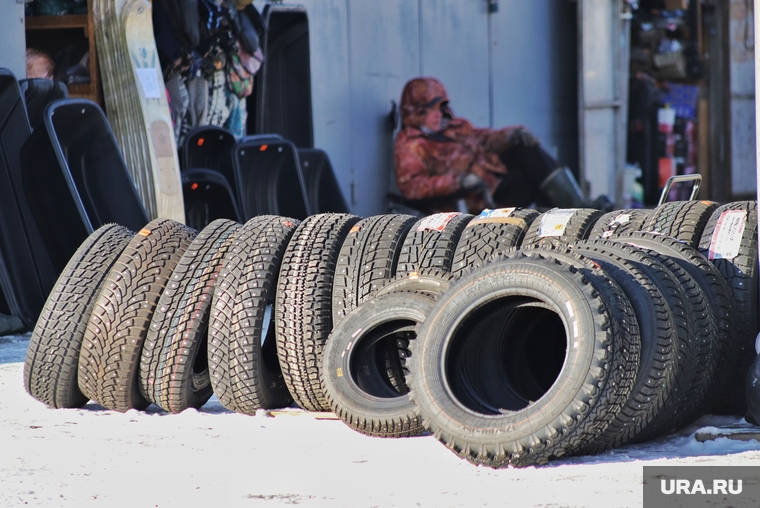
(473, 183)
(521, 136)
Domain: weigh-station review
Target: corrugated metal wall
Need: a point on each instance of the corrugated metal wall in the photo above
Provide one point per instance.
(742, 65)
(513, 66)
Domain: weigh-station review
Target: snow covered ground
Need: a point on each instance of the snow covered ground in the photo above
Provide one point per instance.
(94, 457)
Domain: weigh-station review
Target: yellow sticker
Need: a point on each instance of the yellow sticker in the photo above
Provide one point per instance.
(144, 232)
(414, 275)
(355, 229)
(339, 372)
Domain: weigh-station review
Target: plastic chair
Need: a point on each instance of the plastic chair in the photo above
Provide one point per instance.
(38, 93)
(77, 151)
(269, 179)
(208, 196)
(27, 272)
(322, 189)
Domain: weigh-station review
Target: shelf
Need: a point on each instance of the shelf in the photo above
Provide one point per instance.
(53, 22)
(47, 31)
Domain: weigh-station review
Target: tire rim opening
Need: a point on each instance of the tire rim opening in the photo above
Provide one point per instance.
(201, 377)
(506, 356)
(378, 359)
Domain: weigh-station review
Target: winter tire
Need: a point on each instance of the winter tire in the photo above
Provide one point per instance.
(617, 222)
(50, 369)
(562, 225)
(431, 242)
(110, 356)
(683, 220)
(729, 241)
(367, 260)
(174, 371)
(354, 374)
(243, 364)
(303, 304)
(553, 367)
(490, 232)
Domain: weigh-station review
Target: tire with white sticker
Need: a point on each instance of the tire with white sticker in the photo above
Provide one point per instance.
(174, 371)
(50, 369)
(524, 360)
(729, 241)
(368, 260)
(490, 232)
(431, 242)
(617, 222)
(564, 225)
(109, 361)
(303, 304)
(355, 379)
(683, 220)
(242, 352)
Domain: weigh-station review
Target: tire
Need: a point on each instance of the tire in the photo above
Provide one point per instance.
(563, 225)
(367, 260)
(174, 371)
(243, 364)
(431, 243)
(725, 347)
(490, 232)
(697, 330)
(354, 373)
(303, 304)
(729, 241)
(659, 351)
(110, 356)
(682, 220)
(50, 369)
(618, 222)
(478, 405)
(431, 284)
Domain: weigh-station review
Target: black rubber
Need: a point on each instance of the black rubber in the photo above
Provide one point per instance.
(477, 392)
(617, 222)
(174, 371)
(303, 304)
(242, 351)
(50, 369)
(355, 376)
(429, 283)
(725, 347)
(367, 260)
(696, 346)
(431, 243)
(576, 226)
(740, 270)
(656, 375)
(683, 220)
(110, 356)
(490, 232)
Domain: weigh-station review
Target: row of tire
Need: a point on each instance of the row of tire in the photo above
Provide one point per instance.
(513, 337)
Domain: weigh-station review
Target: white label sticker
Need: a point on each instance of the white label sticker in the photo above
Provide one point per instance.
(620, 219)
(554, 222)
(149, 82)
(727, 236)
(499, 213)
(436, 222)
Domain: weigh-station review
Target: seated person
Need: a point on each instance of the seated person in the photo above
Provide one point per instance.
(440, 158)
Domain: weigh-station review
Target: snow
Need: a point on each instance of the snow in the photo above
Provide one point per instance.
(94, 457)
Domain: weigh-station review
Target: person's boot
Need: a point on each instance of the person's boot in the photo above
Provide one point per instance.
(563, 191)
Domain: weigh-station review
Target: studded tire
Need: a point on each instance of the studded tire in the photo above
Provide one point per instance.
(245, 371)
(303, 304)
(109, 360)
(174, 372)
(50, 369)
